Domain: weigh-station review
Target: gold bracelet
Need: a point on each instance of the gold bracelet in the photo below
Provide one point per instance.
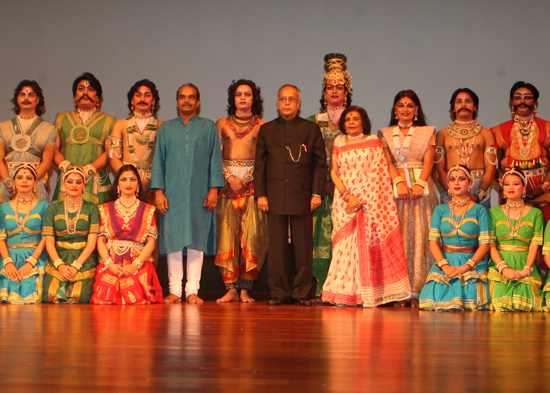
(57, 263)
(32, 260)
(422, 183)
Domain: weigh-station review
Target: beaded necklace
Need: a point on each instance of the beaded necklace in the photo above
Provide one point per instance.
(71, 223)
(126, 208)
(248, 122)
(513, 230)
(21, 221)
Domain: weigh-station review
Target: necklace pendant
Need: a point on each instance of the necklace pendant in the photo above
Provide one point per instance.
(402, 158)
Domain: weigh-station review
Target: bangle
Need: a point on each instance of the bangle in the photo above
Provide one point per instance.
(528, 269)
(106, 263)
(421, 183)
(32, 260)
(398, 180)
(481, 195)
(8, 182)
(501, 266)
(76, 264)
(7, 260)
(57, 263)
(89, 171)
(442, 263)
(345, 194)
(471, 263)
(64, 165)
(138, 262)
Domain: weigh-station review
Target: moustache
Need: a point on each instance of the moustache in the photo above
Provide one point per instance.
(85, 96)
(530, 107)
(186, 104)
(464, 109)
(142, 102)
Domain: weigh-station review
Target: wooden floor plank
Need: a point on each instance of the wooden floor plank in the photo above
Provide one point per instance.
(253, 347)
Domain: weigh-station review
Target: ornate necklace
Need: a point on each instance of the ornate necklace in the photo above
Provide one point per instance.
(31, 117)
(24, 199)
(85, 114)
(514, 205)
(127, 202)
(465, 150)
(405, 126)
(71, 223)
(126, 212)
(249, 122)
(524, 124)
(458, 217)
(463, 131)
(334, 113)
(401, 150)
(513, 230)
(18, 220)
(140, 116)
(465, 123)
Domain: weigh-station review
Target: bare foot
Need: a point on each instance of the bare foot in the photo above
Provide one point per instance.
(401, 303)
(172, 299)
(414, 303)
(230, 296)
(194, 298)
(245, 296)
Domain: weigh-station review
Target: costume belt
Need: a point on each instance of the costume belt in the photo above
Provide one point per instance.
(534, 172)
(449, 248)
(23, 245)
(509, 247)
(415, 164)
(71, 246)
(121, 247)
(239, 163)
(477, 173)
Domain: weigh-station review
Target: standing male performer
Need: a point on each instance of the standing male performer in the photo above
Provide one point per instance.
(26, 138)
(83, 139)
(523, 143)
(133, 139)
(187, 172)
(290, 173)
(466, 142)
(337, 87)
(242, 228)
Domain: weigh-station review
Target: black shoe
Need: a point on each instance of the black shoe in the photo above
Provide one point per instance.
(303, 302)
(276, 301)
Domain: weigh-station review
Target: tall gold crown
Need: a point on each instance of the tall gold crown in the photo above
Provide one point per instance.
(336, 68)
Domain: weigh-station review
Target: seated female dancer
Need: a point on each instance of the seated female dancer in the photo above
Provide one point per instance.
(459, 239)
(127, 237)
(21, 242)
(516, 234)
(71, 234)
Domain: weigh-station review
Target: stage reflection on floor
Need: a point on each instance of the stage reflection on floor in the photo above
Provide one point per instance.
(253, 347)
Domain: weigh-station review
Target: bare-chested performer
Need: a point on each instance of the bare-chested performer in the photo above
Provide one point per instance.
(466, 142)
(242, 228)
(133, 139)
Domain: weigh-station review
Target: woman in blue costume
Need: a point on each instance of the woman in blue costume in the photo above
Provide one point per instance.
(459, 239)
(516, 234)
(21, 242)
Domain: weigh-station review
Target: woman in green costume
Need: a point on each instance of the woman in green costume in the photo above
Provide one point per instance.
(516, 234)
(71, 230)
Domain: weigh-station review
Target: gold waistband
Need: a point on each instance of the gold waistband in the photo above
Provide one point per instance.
(449, 248)
(23, 245)
(509, 247)
(72, 246)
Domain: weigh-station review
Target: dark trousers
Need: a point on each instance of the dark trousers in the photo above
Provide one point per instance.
(289, 267)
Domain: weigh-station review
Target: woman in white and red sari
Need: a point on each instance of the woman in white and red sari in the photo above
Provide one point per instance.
(127, 238)
(368, 264)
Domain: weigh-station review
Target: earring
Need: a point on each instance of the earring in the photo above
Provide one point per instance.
(396, 118)
(118, 190)
(469, 188)
(524, 194)
(449, 192)
(416, 116)
(34, 190)
(535, 110)
(137, 191)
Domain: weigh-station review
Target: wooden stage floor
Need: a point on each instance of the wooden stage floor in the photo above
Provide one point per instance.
(256, 348)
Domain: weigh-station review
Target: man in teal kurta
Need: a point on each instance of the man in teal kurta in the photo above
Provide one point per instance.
(187, 172)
